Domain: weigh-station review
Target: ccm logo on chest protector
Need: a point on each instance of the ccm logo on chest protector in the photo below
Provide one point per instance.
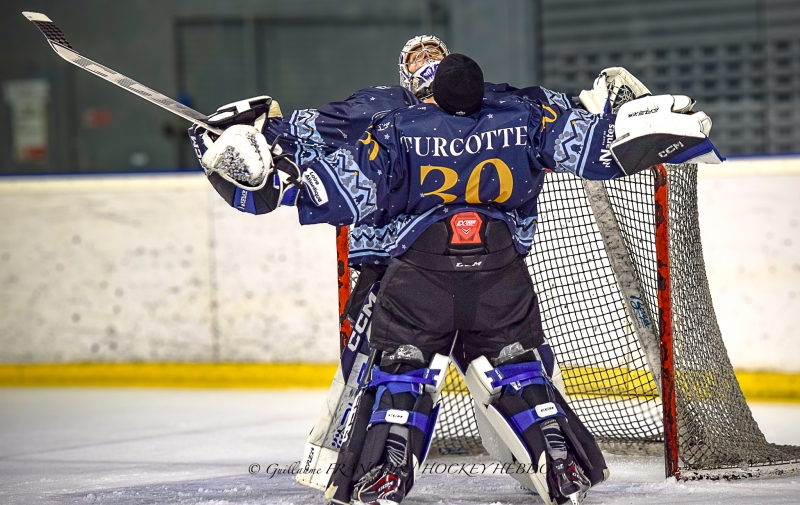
(466, 227)
(314, 187)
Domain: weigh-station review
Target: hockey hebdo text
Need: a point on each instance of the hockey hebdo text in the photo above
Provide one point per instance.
(468, 469)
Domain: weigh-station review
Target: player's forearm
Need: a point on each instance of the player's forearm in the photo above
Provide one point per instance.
(354, 185)
(546, 96)
(331, 192)
(575, 141)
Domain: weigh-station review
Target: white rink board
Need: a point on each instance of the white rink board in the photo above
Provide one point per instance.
(128, 268)
(158, 268)
(750, 225)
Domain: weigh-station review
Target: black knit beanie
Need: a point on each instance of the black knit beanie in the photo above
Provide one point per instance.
(458, 85)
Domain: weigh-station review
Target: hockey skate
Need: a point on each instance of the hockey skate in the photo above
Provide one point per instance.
(568, 480)
(383, 485)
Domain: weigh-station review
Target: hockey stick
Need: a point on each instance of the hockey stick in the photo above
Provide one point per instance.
(60, 45)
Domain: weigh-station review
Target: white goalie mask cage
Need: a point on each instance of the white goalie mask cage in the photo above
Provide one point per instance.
(428, 51)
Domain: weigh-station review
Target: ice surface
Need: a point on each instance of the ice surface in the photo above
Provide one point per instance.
(137, 446)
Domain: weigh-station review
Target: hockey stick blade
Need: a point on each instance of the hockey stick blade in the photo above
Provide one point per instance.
(60, 45)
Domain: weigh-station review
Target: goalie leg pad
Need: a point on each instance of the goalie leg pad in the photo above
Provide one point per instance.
(534, 430)
(512, 446)
(544, 353)
(399, 424)
(328, 437)
(596, 471)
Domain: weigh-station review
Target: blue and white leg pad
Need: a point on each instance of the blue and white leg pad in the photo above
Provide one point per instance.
(502, 436)
(512, 379)
(417, 382)
(331, 429)
(413, 382)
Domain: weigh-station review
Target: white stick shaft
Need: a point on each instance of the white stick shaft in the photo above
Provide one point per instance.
(60, 45)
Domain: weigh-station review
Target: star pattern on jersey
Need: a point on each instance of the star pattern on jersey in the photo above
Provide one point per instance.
(490, 116)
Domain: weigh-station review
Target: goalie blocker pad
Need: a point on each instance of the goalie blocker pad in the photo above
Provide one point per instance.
(661, 129)
(518, 439)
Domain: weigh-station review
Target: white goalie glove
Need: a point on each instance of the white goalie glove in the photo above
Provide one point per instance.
(614, 87)
(661, 129)
(242, 155)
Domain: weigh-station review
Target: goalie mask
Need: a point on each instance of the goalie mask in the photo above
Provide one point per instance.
(422, 54)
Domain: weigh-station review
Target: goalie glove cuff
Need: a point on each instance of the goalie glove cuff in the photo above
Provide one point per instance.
(251, 112)
(247, 111)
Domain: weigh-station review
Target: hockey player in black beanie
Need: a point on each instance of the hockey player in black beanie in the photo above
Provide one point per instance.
(458, 87)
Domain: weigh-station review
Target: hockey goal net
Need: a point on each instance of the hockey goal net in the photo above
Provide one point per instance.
(618, 268)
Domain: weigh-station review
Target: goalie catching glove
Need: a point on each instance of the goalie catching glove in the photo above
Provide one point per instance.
(614, 87)
(250, 174)
(661, 129)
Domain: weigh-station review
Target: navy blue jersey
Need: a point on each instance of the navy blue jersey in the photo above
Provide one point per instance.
(312, 133)
(416, 165)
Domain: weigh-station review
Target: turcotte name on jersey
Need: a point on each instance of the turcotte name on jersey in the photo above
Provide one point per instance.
(484, 141)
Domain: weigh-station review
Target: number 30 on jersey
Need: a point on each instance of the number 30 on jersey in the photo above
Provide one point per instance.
(472, 191)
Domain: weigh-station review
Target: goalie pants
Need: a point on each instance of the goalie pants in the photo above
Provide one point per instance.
(489, 309)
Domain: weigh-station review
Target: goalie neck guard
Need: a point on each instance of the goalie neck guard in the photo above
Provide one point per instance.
(427, 51)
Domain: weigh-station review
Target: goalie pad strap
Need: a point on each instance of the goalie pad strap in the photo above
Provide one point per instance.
(422, 377)
(404, 417)
(399, 387)
(520, 381)
(524, 420)
(518, 375)
(413, 382)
